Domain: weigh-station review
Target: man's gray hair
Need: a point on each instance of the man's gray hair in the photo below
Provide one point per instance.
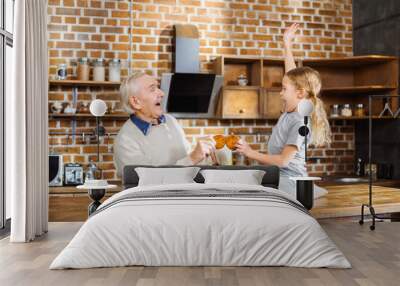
(129, 88)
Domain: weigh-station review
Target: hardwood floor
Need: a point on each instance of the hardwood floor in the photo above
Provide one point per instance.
(374, 255)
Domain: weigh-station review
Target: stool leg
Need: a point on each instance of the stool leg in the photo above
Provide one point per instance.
(93, 207)
(96, 195)
(305, 193)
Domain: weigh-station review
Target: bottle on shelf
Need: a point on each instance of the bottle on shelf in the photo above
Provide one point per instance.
(335, 110)
(83, 69)
(62, 72)
(98, 70)
(114, 70)
(346, 110)
(359, 111)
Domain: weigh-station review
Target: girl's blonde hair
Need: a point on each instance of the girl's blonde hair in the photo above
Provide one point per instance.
(128, 88)
(309, 80)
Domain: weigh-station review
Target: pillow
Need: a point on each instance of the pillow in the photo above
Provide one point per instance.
(248, 177)
(164, 176)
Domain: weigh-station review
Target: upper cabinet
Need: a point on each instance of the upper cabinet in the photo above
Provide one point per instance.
(344, 81)
(351, 80)
(251, 87)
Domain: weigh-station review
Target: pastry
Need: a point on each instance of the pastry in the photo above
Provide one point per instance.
(219, 141)
(231, 141)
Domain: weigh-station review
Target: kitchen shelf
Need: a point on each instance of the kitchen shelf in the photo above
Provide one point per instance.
(73, 82)
(240, 59)
(238, 87)
(358, 90)
(333, 181)
(271, 61)
(87, 116)
(375, 117)
(355, 61)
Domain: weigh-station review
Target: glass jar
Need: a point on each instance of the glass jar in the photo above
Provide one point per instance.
(90, 171)
(359, 111)
(62, 71)
(346, 110)
(114, 70)
(335, 111)
(83, 69)
(98, 70)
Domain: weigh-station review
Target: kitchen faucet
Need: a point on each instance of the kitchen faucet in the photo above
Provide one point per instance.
(358, 170)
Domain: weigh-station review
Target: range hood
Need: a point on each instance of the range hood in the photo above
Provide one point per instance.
(189, 93)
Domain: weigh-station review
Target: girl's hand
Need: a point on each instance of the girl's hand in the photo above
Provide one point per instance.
(243, 148)
(290, 33)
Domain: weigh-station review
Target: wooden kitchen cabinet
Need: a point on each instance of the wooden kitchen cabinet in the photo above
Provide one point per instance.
(344, 80)
(255, 100)
(350, 80)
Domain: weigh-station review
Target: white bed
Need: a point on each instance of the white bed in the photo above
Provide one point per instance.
(201, 224)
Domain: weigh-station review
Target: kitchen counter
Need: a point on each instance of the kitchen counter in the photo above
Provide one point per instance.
(348, 180)
(344, 199)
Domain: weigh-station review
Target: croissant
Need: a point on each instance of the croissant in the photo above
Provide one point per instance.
(230, 141)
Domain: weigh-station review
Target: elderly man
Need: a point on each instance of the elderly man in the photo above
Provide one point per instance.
(149, 136)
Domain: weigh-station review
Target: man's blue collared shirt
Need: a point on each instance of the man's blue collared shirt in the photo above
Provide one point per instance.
(144, 126)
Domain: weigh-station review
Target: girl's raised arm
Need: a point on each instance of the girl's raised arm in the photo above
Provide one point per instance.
(288, 36)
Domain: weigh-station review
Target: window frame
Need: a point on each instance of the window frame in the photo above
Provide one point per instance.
(6, 39)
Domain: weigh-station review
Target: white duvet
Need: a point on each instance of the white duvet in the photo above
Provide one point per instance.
(183, 231)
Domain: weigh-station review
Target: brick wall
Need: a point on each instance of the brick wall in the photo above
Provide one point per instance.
(252, 27)
(78, 28)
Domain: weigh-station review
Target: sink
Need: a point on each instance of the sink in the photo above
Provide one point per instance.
(345, 180)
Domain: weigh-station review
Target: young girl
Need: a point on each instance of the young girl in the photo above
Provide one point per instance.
(286, 146)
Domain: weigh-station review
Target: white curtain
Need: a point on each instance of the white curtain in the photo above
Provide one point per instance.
(27, 123)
